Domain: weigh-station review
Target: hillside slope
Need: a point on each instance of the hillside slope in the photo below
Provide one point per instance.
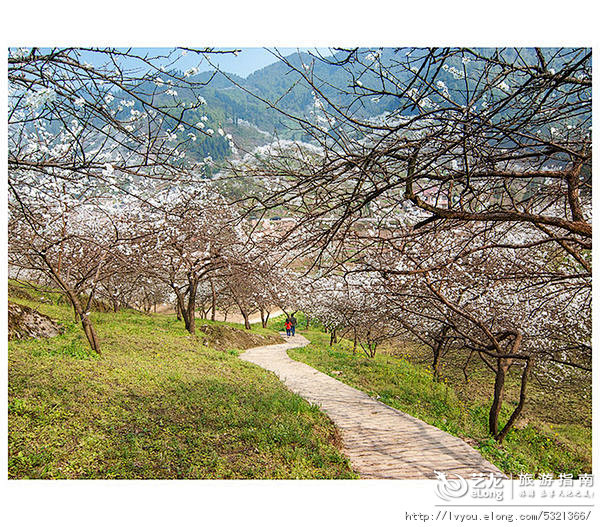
(157, 404)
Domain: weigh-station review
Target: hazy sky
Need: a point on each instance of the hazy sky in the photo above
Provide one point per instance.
(246, 62)
(252, 59)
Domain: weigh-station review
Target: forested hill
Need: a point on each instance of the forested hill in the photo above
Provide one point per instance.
(234, 105)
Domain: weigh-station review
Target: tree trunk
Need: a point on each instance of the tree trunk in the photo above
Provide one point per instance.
(264, 317)
(86, 323)
(438, 349)
(188, 311)
(435, 365)
(146, 304)
(81, 316)
(178, 310)
(90, 333)
(502, 366)
(246, 320)
(181, 309)
(213, 305)
(522, 397)
(333, 340)
(191, 307)
(354, 343)
(371, 345)
(186, 319)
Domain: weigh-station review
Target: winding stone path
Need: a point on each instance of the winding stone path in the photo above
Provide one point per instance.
(380, 441)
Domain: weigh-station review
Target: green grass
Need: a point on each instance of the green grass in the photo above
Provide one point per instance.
(256, 328)
(155, 404)
(537, 447)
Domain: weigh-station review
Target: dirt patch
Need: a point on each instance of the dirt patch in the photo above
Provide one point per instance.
(226, 337)
(25, 322)
(18, 292)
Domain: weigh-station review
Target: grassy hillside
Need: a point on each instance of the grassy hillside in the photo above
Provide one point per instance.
(156, 404)
(539, 444)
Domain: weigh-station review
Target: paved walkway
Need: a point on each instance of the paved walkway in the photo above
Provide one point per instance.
(380, 441)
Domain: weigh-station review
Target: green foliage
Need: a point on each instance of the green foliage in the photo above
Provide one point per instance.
(278, 323)
(156, 404)
(410, 388)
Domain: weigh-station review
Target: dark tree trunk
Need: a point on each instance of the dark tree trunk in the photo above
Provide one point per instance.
(435, 366)
(371, 346)
(438, 348)
(246, 320)
(466, 366)
(522, 397)
(502, 366)
(188, 310)
(264, 317)
(333, 340)
(146, 304)
(181, 311)
(191, 307)
(185, 315)
(213, 305)
(90, 333)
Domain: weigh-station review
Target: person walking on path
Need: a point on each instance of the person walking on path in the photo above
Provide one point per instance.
(293, 321)
(288, 327)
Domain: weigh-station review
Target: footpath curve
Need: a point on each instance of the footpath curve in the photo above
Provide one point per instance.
(380, 441)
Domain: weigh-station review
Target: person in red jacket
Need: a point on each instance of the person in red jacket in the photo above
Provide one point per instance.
(288, 327)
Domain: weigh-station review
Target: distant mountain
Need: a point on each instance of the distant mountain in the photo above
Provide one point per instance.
(234, 104)
(232, 107)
